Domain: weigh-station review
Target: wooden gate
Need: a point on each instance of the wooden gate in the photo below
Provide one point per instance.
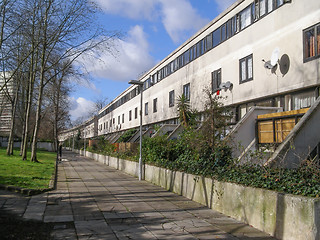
(275, 127)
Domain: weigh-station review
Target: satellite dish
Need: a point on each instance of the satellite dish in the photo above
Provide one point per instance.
(275, 56)
(228, 84)
(284, 64)
(267, 64)
(222, 85)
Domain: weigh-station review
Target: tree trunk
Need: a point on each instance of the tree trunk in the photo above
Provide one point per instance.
(28, 109)
(13, 115)
(41, 86)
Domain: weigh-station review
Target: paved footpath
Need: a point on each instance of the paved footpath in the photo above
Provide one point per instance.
(93, 201)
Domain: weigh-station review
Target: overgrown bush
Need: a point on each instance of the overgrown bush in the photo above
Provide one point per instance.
(188, 153)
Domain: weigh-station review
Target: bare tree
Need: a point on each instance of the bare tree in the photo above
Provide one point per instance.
(39, 47)
(61, 24)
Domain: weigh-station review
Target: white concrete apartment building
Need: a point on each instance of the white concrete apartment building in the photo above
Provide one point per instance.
(256, 53)
(232, 48)
(5, 105)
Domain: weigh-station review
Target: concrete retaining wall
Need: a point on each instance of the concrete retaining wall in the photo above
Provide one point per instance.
(284, 216)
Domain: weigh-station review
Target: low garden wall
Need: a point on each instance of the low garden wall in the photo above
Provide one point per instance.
(281, 215)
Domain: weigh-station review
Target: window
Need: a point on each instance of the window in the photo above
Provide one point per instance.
(311, 43)
(245, 18)
(154, 78)
(123, 118)
(186, 91)
(216, 80)
(229, 28)
(246, 69)
(130, 115)
(118, 119)
(181, 61)
(136, 113)
(270, 5)
(155, 101)
(303, 100)
(216, 37)
(279, 3)
(186, 57)
(262, 7)
(208, 44)
(223, 32)
(146, 109)
(171, 98)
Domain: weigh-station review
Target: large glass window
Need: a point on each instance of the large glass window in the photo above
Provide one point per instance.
(270, 5)
(186, 57)
(245, 18)
(246, 69)
(303, 100)
(186, 91)
(208, 45)
(216, 35)
(311, 42)
(223, 32)
(181, 61)
(229, 28)
(216, 80)
(279, 3)
(262, 7)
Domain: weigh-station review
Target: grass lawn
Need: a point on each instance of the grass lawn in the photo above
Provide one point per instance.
(25, 174)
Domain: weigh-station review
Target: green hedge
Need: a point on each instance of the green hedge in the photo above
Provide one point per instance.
(190, 154)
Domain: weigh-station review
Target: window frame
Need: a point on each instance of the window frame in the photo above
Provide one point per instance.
(216, 80)
(242, 14)
(146, 110)
(245, 59)
(155, 103)
(171, 98)
(186, 94)
(316, 43)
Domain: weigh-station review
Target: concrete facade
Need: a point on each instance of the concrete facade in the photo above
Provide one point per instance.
(5, 105)
(283, 216)
(251, 33)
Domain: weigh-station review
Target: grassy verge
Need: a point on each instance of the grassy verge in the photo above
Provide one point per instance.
(25, 174)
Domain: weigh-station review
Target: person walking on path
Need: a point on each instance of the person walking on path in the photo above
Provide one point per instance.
(60, 152)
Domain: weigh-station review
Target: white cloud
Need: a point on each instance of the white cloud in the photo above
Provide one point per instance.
(80, 108)
(180, 19)
(135, 9)
(131, 59)
(224, 4)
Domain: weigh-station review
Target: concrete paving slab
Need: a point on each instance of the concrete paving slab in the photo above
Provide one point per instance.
(92, 227)
(93, 201)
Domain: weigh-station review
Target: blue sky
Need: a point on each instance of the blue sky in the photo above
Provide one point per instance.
(150, 30)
